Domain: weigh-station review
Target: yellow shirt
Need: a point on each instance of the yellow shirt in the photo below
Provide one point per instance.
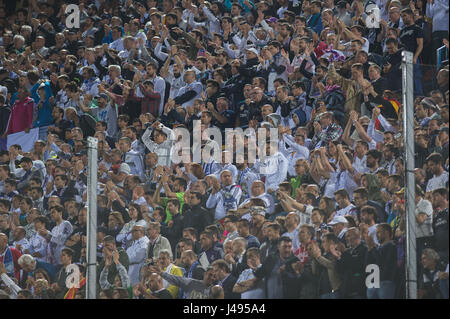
(176, 271)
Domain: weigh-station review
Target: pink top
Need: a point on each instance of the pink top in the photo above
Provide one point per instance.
(21, 116)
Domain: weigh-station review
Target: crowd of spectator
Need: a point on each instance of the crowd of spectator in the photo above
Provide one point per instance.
(326, 74)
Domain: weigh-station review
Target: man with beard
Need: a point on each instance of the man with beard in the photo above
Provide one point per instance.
(159, 85)
(373, 158)
(103, 112)
(173, 75)
(440, 176)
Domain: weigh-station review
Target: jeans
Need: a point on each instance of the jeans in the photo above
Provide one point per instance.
(386, 291)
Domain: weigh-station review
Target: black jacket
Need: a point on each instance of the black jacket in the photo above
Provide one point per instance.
(174, 233)
(290, 280)
(228, 285)
(351, 265)
(386, 258)
(197, 217)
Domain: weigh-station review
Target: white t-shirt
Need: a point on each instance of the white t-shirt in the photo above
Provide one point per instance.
(255, 293)
(437, 182)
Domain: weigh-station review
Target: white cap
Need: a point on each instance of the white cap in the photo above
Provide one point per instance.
(125, 168)
(338, 219)
(141, 223)
(252, 50)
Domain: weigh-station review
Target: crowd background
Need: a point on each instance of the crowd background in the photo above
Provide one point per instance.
(326, 73)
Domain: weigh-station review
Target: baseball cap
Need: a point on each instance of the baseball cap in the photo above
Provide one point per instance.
(141, 223)
(252, 50)
(125, 168)
(338, 219)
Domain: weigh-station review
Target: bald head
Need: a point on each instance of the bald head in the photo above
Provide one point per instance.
(217, 292)
(155, 282)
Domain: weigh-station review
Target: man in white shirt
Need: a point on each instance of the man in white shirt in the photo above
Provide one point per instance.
(295, 150)
(245, 179)
(440, 177)
(424, 220)
(162, 143)
(117, 43)
(58, 236)
(20, 242)
(137, 252)
(292, 226)
(224, 198)
(191, 91)
(368, 216)
(258, 190)
(273, 168)
(345, 206)
(339, 224)
(132, 158)
(91, 81)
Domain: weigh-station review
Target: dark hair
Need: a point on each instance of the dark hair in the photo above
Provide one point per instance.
(376, 154)
(192, 231)
(436, 158)
(244, 222)
(174, 201)
(28, 201)
(187, 241)
(332, 237)
(441, 191)
(181, 181)
(68, 251)
(369, 210)
(309, 228)
(59, 208)
(138, 208)
(11, 182)
(208, 234)
(42, 219)
(213, 229)
(284, 239)
(6, 203)
(362, 191)
(342, 192)
(386, 227)
(222, 264)
(392, 41)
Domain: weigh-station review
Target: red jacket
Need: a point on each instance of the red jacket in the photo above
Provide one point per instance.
(15, 256)
(21, 116)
